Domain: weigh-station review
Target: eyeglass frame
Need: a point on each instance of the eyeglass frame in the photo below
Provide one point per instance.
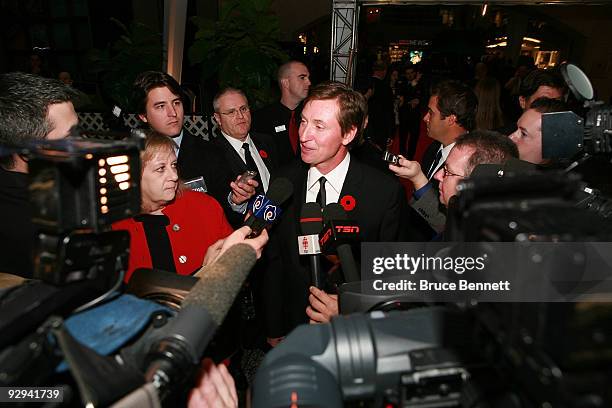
(447, 172)
(244, 109)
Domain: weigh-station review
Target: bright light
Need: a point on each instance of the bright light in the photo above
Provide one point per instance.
(101, 162)
(124, 186)
(121, 168)
(102, 180)
(315, 50)
(484, 9)
(122, 177)
(501, 44)
(103, 200)
(104, 209)
(116, 160)
(102, 172)
(103, 191)
(532, 40)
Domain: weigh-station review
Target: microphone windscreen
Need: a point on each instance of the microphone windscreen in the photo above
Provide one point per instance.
(334, 211)
(311, 221)
(220, 282)
(280, 190)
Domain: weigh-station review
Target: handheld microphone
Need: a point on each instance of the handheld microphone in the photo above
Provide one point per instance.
(266, 209)
(184, 339)
(336, 238)
(311, 223)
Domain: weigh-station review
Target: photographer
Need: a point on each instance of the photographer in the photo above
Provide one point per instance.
(470, 149)
(31, 107)
(528, 136)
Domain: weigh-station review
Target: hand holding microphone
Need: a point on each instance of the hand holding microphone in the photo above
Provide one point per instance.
(266, 209)
(322, 306)
(240, 236)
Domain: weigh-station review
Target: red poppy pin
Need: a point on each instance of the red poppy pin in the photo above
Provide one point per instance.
(348, 202)
(263, 154)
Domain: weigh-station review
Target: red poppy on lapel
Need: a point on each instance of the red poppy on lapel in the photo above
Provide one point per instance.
(263, 154)
(348, 202)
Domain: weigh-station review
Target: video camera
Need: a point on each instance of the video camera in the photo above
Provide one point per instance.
(77, 187)
(565, 134)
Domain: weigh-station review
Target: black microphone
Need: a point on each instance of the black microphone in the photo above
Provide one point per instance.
(266, 209)
(183, 341)
(311, 224)
(336, 237)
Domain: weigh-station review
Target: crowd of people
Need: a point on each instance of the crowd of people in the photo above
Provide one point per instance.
(318, 137)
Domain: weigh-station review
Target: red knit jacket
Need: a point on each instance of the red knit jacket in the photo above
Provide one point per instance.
(196, 221)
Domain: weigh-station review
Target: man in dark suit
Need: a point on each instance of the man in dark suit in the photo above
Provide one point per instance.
(241, 150)
(282, 119)
(160, 103)
(451, 112)
(332, 119)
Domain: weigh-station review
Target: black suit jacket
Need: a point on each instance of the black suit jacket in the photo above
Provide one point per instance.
(379, 211)
(270, 120)
(229, 165)
(198, 157)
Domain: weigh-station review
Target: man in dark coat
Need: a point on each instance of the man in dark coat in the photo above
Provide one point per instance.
(282, 119)
(332, 118)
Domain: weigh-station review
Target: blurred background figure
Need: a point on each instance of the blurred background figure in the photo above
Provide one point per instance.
(489, 115)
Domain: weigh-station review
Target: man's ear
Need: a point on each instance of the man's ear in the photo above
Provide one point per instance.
(349, 136)
(522, 102)
(284, 82)
(452, 120)
(143, 117)
(216, 118)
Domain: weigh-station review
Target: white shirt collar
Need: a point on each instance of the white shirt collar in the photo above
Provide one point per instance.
(237, 144)
(335, 180)
(177, 140)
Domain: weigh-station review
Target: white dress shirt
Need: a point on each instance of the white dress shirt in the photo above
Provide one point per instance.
(333, 186)
(261, 166)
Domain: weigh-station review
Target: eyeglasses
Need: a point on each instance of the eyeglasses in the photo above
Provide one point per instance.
(449, 173)
(234, 112)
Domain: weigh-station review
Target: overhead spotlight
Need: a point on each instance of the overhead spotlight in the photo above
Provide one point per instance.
(485, 6)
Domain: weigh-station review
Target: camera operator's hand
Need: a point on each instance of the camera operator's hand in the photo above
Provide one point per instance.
(322, 306)
(214, 388)
(237, 237)
(241, 191)
(410, 170)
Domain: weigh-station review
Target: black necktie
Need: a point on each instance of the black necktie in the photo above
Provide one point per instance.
(437, 159)
(250, 164)
(322, 195)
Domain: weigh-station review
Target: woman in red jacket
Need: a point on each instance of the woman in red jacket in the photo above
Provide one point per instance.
(176, 226)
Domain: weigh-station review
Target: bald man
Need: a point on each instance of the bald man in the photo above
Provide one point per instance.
(282, 118)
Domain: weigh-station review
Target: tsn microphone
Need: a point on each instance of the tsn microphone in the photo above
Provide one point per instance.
(182, 342)
(337, 235)
(311, 224)
(266, 209)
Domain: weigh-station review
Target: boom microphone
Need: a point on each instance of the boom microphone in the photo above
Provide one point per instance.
(336, 237)
(184, 339)
(311, 224)
(265, 209)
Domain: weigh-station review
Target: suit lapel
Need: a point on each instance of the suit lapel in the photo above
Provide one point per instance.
(236, 164)
(353, 180)
(261, 145)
